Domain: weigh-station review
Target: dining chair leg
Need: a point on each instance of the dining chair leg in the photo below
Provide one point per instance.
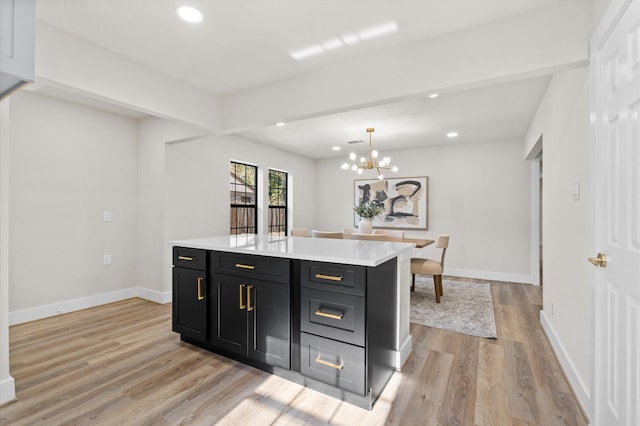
(413, 282)
(440, 284)
(437, 282)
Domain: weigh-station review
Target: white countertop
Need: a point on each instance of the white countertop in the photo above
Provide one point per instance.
(351, 252)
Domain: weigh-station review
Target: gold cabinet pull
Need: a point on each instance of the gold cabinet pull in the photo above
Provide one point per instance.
(328, 315)
(329, 277)
(243, 266)
(242, 305)
(601, 260)
(200, 296)
(185, 258)
(249, 307)
(329, 364)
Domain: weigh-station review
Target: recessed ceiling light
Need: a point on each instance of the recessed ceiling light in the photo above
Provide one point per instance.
(350, 39)
(189, 14)
(346, 39)
(434, 95)
(316, 49)
(280, 124)
(452, 134)
(378, 31)
(336, 148)
(332, 44)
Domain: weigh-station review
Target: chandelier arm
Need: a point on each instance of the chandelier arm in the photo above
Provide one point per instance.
(371, 163)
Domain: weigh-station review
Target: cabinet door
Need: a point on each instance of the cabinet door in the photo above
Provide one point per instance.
(269, 323)
(231, 313)
(17, 44)
(190, 303)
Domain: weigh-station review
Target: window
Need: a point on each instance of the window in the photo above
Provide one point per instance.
(244, 193)
(277, 202)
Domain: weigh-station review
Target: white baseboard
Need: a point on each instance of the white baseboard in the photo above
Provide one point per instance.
(53, 309)
(7, 390)
(488, 275)
(403, 354)
(579, 388)
(154, 296)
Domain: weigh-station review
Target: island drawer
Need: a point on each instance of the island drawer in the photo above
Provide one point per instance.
(347, 279)
(335, 363)
(333, 315)
(190, 258)
(275, 269)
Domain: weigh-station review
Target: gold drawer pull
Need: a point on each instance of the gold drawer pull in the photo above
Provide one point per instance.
(200, 296)
(241, 293)
(243, 266)
(328, 315)
(329, 364)
(185, 258)
(328, 277)
(249, 307)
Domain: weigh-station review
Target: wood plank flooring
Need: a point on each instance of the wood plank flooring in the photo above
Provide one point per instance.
(120, 364)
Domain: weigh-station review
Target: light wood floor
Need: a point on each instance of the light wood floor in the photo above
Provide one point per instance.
(121, 364)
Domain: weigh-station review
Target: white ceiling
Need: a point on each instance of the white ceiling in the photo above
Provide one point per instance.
(244, 44)
(484, 114)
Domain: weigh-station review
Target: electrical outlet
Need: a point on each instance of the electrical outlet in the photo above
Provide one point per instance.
(106, 216)
(107, 260)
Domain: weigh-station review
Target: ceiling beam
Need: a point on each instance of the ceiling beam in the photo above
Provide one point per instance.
(69, 63)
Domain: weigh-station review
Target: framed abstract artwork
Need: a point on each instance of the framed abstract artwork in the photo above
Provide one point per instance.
(404, 201)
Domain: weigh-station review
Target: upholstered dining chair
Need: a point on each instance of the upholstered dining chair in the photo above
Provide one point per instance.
(300, 232)
(431, 267)
(326, 234)
(370, 237)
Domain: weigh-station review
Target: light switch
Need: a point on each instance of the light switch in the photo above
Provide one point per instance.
(106, 216)
(576, 190)
(107, 260)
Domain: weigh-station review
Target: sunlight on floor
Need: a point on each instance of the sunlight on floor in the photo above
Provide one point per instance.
(275, 397)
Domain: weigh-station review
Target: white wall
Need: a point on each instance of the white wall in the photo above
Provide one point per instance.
(478, 193)
(152, 265)
(197, 184)
(563, 120)
(69, 163)
(598, 8)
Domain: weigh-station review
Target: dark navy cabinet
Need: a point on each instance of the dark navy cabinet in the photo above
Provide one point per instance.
(190, 293)
(331, 327)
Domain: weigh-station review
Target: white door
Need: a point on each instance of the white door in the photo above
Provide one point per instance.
(615, 84)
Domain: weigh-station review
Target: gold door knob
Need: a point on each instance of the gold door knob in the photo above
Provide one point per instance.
(601, 260)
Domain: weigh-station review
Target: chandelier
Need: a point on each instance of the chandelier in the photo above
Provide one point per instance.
(359, 165)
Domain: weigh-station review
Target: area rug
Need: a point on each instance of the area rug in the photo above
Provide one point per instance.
(463, 308)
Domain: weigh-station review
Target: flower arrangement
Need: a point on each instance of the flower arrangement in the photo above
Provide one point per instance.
(368, 210)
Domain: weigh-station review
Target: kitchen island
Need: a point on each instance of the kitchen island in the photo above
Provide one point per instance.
(330, 314)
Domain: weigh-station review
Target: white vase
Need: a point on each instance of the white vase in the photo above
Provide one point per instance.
(365, 226)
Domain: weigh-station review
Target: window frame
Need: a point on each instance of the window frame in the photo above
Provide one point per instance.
(283, 196)
(234, 207)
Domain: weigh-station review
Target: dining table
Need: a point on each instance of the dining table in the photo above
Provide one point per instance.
(419, 242)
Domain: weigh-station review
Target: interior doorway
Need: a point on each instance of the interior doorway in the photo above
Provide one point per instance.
(535, 158)
(540, 221)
